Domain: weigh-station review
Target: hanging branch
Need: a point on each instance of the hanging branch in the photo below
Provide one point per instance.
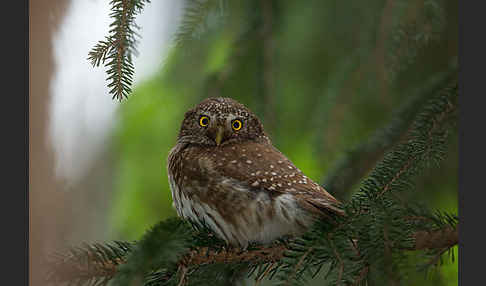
(116, 51)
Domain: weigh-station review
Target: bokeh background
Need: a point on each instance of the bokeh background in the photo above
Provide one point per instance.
(322, 76)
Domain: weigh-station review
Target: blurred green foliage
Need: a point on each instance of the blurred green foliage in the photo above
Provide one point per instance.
(327, 95)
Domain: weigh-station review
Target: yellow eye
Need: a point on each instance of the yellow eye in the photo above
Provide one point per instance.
(236, 124)
(204, 121)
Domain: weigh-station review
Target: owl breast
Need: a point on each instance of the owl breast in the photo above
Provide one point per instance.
(233, 208)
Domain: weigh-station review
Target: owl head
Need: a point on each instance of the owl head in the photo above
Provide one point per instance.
(218, 121)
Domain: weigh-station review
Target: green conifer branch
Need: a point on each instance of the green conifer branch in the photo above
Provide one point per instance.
(116, 51)
(426, 145)
(160, 248)
(194, 20)
(375, 216)
(97, 264)
(359, 160)
(94, 264)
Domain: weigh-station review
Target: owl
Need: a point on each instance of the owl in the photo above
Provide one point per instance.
(225, 174)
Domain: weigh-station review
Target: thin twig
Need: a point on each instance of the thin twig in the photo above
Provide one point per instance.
(183, 270)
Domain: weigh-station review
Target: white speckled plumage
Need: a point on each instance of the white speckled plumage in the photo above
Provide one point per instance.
(243, 188)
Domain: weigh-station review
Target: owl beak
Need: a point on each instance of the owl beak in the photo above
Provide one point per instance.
(219, 135)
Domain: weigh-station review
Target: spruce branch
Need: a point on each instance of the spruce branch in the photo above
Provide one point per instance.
(358, 161)
(93, 264)
(97, 264)
(374, 209)
(196, 19)
(160, 248)
(429, 133)
(427, 139)
(116, 51)
(261, 254)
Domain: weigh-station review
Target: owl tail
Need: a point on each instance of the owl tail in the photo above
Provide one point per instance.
(323, 207)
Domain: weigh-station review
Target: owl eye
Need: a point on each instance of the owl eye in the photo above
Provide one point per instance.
(204, 121)
(236, 124)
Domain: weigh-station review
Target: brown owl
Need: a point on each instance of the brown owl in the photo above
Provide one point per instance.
(224, 173)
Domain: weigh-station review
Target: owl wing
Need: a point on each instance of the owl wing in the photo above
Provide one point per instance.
(262, 166)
